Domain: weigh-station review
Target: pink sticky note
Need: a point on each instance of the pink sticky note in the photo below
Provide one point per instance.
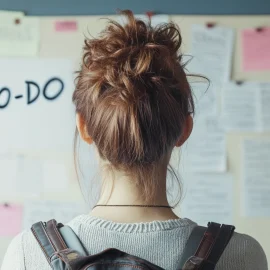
(11, 219)
(66, 26)
(256, 49)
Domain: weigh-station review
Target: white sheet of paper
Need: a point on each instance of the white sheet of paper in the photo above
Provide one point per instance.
(205, 99)
(55, 176)
(208, 197)
(245, 107)
(265, 106)
(8, 169)
(240, 109)
(205, 150)
(21, 38)
(28, 177)
(212, 49)
(35, 120)
(63, 212)
(256, 175)
(210, 56)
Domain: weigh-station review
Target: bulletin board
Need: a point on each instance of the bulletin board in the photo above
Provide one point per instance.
(68, 45)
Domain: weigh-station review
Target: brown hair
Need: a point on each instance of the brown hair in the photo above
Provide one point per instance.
(134, 96)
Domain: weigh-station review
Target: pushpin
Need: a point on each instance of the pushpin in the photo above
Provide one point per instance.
(210, 25)
(17, 21)
(149, 14)
(259, 29)
(239, 82)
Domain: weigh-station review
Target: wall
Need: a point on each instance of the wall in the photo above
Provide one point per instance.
(66, 45)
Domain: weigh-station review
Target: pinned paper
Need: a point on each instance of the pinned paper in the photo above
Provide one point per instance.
(256, 175)
(11, 216)
(212, 49)
(256, 49)
(66, 26)
(205, 150)
(245, 106)
(19, 36)
(208, 197)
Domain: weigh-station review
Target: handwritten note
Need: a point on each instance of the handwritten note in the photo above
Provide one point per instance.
(37, 105)
(245, 106)
(211, 49)
(208, 197)
(35, 211)
(11, 216)
(211, 53)
(240, 106)
(256, 175)
(205, 98)
(264, 94)
(205, 150)
(19, 36)
(256, 49)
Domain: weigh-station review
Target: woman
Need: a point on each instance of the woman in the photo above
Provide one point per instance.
(134, 104)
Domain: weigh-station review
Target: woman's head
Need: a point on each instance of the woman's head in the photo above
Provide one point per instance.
(132, 97)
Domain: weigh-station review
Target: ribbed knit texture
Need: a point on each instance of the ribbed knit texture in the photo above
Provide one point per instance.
(160, 242)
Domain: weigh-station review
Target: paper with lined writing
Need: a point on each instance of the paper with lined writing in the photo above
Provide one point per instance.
(245, 106)
(256, 175)
(208, 197)
(205, 150)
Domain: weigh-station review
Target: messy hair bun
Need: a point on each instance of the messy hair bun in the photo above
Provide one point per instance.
(134, 96)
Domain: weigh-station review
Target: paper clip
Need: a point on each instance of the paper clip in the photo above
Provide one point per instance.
(210, 24)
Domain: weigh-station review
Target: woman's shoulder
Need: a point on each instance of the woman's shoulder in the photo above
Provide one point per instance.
(243, 252)
(24, 253)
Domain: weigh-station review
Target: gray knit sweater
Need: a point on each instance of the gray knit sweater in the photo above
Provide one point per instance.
(160, 242)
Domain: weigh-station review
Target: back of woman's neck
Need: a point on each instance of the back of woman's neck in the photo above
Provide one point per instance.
(128, 214)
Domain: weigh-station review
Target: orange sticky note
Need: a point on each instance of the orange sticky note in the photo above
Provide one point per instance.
(256, 49)
(11, 219)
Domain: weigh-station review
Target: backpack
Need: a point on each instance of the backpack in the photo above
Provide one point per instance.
(64, 251)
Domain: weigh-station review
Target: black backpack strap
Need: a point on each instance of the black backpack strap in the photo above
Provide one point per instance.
(45, 242)
(54, 237)
(212, 242)
(223, 238)
(192, 243)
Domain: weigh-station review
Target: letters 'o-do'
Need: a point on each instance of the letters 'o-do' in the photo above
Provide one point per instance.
(33, 91)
